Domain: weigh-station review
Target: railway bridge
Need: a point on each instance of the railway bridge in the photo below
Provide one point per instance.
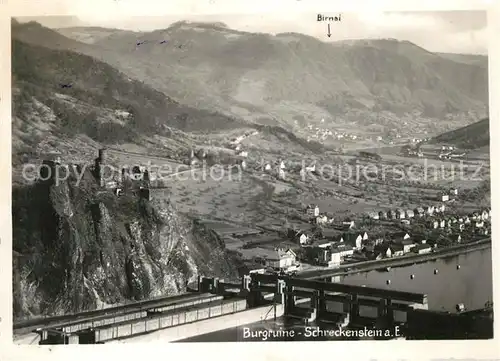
(217, 304)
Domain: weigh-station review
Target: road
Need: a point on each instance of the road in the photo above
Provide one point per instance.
(395, 261)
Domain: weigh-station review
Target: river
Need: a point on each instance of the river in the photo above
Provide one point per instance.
(466, 279)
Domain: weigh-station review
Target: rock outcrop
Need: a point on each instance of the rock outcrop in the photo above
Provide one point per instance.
(77, 247)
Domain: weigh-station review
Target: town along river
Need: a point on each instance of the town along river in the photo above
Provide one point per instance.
(466, 279)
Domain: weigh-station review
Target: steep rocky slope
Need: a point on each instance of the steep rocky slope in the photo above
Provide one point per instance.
(78, 248)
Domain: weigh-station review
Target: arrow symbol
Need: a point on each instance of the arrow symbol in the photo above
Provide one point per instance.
(329, 33)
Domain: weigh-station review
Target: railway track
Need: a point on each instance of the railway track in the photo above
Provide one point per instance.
(23, 327)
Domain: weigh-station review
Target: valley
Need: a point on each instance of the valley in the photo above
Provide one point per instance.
(242, 136)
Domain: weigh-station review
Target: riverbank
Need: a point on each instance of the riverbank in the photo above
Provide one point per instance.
(396, 261)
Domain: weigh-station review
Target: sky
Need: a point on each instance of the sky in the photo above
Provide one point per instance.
(439, 31)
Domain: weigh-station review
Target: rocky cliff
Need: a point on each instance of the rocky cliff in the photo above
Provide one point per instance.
(78, 248)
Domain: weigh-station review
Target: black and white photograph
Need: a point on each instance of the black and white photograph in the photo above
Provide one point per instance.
(319, 176)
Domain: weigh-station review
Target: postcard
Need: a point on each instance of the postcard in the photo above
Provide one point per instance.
(230, 178)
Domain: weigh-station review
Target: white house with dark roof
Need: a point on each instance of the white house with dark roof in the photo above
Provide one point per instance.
(400, 236)
(407, 245)
(343, 249)
(422, 248)
(410, 213)
(283, 259)
(303, 238)
(355, 240)
(312, 211)
(419, 211)
(321, 219)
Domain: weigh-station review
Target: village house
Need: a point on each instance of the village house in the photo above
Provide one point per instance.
(434, 224)
(422, 248)
(419, 211)
(321, 220)
(479, 224)
(442, 223)
(396, 250)
(312, 211)
(354, 240)
(382, 215)
(461, 227)
(391, 214)
(474, 216)
(383, 251)
(243, 154)
(444, 198)
(398, 237)
(365, 236)
(317, 255)
(281, 174)
(303, 238)
(373, 215)
(400, 214)
(454, 191)
(335, 258)
(407, 245)
(344, 250)
(429, 210)
(458, 239)
(323, 243)
(467, 220)
(406, 222)
(484, 215)
(441, 208)
(348, 225)
(284, 259)
(410, 213)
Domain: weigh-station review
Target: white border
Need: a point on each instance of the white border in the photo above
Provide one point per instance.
(241, 351)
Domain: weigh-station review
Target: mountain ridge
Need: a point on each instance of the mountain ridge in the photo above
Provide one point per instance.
(473, 136)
